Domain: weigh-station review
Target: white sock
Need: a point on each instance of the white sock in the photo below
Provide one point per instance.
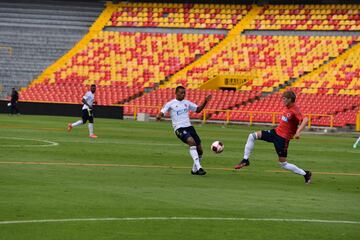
(293, 168)
(77, 123)
(195, 156)
(249, 145)
(194, 169)
(357, 141)
(91, 128)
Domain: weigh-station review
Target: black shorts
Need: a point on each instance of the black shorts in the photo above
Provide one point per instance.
(184, 133)
(281, 144)
(87, 114)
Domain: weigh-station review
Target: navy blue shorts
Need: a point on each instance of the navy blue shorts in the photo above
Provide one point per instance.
(281, 144)
(87, 114)
(184, 133)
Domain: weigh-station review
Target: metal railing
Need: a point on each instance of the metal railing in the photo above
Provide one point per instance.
(310, 115)
(227, 119)
(250, 113)
(136, 108)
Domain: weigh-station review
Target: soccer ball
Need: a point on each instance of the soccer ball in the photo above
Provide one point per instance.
(217, 147)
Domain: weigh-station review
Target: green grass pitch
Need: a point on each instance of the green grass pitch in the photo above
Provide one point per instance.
(134, 182)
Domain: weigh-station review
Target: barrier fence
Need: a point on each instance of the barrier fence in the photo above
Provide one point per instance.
(227, 119)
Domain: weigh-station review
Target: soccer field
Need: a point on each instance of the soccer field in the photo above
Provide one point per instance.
(134, 182)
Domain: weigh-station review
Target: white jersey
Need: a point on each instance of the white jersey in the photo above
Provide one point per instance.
(179, 112)
(89, 98)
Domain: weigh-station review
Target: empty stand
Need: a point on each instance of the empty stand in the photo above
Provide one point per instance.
(340, 76)
(221, 99)
(323, 70)
(308, 17)
(132, 59)
(272, 60)
(39, 33)
(171, 15)
(73, 93)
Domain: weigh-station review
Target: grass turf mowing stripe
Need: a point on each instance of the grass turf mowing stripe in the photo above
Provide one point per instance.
(105, 165)
(158, 166)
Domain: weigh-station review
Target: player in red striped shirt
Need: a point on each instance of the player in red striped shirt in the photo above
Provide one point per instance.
(291, 124)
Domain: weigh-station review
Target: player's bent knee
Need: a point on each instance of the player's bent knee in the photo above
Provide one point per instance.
(191, 142)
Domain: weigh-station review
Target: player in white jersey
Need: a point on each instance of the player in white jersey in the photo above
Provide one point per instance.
(87, 114)
(179, 113)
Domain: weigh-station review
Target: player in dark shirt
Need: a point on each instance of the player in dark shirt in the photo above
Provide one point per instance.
(13, 102)
(291, 124)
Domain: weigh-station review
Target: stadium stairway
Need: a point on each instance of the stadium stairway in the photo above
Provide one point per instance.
(240, 26)
(353, 50)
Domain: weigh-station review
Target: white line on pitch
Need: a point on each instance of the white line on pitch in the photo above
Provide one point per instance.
(49, 143)
(181, 219)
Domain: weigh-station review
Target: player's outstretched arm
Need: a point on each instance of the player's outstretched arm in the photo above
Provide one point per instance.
(202, 106)
(301, 127)
(159, 116)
